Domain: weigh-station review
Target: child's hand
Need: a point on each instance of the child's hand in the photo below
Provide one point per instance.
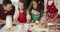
(43, 23)
(32, 21)
(28, 21)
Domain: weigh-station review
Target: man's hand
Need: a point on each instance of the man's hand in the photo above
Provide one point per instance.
(2, 21)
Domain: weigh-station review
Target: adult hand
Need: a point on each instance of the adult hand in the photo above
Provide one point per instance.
(2, 21)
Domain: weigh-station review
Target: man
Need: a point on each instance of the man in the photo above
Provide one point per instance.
(6, 8)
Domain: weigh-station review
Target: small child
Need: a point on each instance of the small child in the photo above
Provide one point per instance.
(22, 13)
(37, 10)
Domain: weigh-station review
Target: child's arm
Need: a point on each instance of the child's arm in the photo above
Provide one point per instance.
(15, 16)
(42, 16)
(55, 17)
(43, 21)
(16, 21)
(28, 17)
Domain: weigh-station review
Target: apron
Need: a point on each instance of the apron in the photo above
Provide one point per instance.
(35, 17)
(22, 17)
(51, 11)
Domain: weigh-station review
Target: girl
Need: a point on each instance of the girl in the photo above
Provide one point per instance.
(22, 13)
(37, 10)
(51, 11)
